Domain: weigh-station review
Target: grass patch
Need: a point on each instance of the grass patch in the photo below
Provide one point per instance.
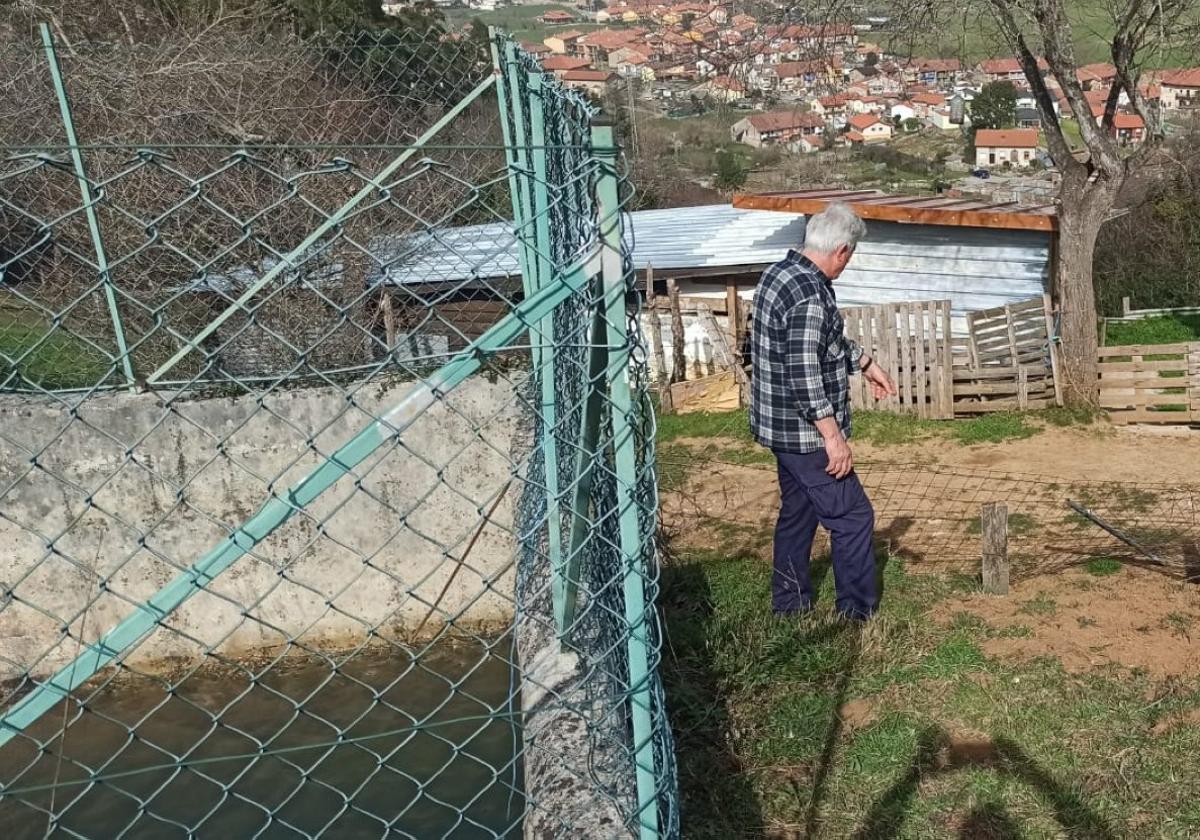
(883, 428)
(726, 425)
(993, 428)
(1102, 566)
(1040, 605)
(810, 721)
(1019, 524)
(49, 359)
(1164, 329)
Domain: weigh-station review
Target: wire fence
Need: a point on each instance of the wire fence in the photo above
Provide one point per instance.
(930, 514)
(320, 526)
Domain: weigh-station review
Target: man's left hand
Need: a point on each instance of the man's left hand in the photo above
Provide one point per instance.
(881, 384)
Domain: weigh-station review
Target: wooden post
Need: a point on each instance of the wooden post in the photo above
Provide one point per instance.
(994, 520)
(666, 404)
(678, 359)
(1125, 307)
(733, 311)
(1022, 388)
(1054, 348)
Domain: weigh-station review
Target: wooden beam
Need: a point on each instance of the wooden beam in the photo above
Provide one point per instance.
(678, 358)
(903, 214)
(666, 404)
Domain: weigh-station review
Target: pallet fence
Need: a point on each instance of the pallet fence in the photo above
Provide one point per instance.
(912, 342)
(1150, 383)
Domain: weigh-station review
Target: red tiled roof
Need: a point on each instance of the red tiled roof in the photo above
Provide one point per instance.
(994, 66)
(1009, 138)
(783, 120)
(588, 76)
(855, 137)
(793, 69)
(608, 39)
(1128, 121)
(929, 99)
(864, 121)
(564, 62)
(557, 14)
(1099, 72)
(1182, 78)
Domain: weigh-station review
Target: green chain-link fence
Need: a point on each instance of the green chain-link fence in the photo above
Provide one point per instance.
(327, 494)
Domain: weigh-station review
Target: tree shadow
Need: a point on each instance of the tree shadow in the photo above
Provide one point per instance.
(717, 797)
(938, 752)
(989, 822)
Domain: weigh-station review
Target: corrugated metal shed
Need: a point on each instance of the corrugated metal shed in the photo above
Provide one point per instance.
(975, 267)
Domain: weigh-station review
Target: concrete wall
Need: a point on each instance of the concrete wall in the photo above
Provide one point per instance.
(105, 499)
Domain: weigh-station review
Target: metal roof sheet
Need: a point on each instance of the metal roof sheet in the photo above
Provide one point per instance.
(975, 268)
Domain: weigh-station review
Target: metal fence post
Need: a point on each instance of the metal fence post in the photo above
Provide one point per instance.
(525, 151)
(89, 204)
(625, 466)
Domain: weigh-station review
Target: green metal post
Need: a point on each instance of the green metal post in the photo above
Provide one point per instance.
(625, 465)
(566, 601)
(295, 256)
(89, 204)
(526, 157)
(279, 508)
(543, 247)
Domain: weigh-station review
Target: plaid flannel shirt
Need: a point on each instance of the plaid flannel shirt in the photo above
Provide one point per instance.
(802, 360)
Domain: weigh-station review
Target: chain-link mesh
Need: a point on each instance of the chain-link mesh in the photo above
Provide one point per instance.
(323, 517)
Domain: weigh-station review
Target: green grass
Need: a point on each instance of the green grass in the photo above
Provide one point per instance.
(520, 21)
(1103, 566)
(1165, 329)
(49, 358)
(1019, 524)
(993, 428)
(767, 743)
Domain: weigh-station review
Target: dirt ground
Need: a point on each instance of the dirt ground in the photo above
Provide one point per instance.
(1095, 453)
(1136, 618)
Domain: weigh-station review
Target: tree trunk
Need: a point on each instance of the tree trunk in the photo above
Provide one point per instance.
(1084, 207)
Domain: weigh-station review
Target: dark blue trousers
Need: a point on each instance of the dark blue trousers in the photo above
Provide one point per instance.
(809, 495)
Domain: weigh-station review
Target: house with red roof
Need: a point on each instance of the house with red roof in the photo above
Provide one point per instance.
(564, 43)
(559, 64)
(556, 17)
(999, 146)
(1180, 89)
(868, 128)
(776, 128)
(595, 82)
(1007, 69)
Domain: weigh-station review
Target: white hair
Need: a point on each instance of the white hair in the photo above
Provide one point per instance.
(833, 227)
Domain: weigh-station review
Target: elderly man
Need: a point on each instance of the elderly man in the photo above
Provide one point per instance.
(800, 410)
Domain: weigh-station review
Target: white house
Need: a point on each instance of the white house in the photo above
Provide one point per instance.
(902, 111)
(998, 146)
(1181, 89)
(868, 128)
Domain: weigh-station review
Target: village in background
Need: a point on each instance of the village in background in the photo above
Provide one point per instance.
(712, 99)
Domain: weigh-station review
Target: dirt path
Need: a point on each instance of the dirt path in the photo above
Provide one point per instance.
(1144, 454)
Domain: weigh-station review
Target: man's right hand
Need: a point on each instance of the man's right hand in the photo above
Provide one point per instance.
(841, 462)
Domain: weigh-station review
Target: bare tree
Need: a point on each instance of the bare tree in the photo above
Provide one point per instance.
(1138, 34)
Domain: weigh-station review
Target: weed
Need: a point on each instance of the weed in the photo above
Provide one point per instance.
(1083, 621)
(883, 428)
(1178, 622)
(1102, 566)
(1019, 524)
(1063, 416)
(1016, 631)
(993, 428)
(1040, 605)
